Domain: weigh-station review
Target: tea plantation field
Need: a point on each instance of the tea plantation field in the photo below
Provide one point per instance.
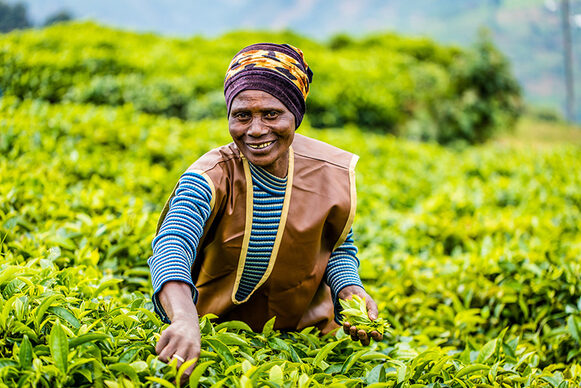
(473, 255)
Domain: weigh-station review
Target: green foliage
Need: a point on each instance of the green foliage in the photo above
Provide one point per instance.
(487, 97)
(354, 311)
(473, 257)
(384, 83)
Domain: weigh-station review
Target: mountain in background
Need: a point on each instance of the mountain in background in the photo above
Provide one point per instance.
(527, 31)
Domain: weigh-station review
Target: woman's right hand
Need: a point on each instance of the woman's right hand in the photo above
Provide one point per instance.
(181, 339)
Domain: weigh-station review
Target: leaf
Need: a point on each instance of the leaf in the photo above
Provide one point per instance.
(41, 309)
(324, 352)
(20, 327)
(139, 366)
(6, 362)
(89, 337)
(162, 382)
(129, 354)
(374, 374)
(401, 373)
(268, 327)
(106, 284)
(222, 351)
(354, 311)
(198, 372)
(59, 347)
(7, 274)
(351, 360)
(127, 370)
(25, 354)
(487, 351)
(246, 366)
(151, 316)
(574, 327)
(471, 369)
(7, 310)
(278, 344)
(233, 325)
(231, 339)
(275, 375)
(65, 315)
(183, 369)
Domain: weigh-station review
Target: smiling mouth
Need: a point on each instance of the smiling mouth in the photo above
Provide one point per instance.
(260, 146)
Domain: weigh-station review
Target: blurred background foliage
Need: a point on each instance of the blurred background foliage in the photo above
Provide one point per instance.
(410, 87)
(528, 32)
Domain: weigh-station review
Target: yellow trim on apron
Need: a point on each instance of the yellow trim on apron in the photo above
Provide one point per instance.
(248, 226)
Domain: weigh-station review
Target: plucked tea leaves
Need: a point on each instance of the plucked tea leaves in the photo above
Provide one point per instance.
(354, 311)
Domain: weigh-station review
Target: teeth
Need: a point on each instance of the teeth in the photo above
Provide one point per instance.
(259, 146)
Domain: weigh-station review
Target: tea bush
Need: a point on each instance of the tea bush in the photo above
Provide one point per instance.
(385, 83)
(472, 255)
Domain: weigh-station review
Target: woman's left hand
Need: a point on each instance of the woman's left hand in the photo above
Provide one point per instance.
(372, 313)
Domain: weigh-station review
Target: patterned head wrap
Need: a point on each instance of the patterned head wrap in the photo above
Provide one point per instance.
(278, 69)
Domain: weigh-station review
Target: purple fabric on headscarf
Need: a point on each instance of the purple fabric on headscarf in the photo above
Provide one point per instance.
(275, 82)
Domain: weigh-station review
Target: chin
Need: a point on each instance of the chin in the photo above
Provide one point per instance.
(260, 162)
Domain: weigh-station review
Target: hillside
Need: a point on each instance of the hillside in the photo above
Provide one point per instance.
(414, 88)
(473, 253)
(527, 31)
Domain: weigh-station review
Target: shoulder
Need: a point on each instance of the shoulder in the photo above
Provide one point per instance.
(316, 150)
(216, 157)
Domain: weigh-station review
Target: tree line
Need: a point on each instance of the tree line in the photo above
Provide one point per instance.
(15, 16)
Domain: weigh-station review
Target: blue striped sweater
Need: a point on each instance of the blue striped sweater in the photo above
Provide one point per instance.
(174, 247)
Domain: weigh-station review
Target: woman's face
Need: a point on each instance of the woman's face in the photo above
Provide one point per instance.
(263, 130)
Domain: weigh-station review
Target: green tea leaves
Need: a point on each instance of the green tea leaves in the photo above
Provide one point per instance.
(355, 312)
(472, 254)
(59, 347)
(25, 353)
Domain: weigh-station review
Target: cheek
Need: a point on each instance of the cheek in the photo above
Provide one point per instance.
(235, 132)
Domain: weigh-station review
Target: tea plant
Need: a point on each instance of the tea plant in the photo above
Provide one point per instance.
(411, 87)
(473, 255)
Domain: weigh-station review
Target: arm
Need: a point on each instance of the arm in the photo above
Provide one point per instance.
(174, 250)
(182, 337)
(342, 277)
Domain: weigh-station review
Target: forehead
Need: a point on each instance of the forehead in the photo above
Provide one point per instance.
(256, 99)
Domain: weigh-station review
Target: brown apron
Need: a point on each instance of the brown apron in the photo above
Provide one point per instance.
(317, 214)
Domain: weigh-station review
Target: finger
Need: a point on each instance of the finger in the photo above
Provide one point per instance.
(346, 326)
(372, 311)
(190, 369)
(376, 335)
(163, 341)
(363, 337)
(176, 356)
(186, 375)
(166, 353)
(353, 333)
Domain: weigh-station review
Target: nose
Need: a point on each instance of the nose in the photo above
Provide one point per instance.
(257, 128)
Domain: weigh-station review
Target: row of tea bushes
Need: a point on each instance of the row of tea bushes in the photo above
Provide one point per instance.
(473, 257)
(386, 83)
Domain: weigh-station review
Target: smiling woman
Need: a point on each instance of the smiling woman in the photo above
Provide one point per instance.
(263, 129)
(261, 227)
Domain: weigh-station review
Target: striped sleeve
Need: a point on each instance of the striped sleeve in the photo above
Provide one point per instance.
(342, 270)
(174, 247)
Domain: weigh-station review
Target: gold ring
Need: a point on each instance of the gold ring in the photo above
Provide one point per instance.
(178, 358)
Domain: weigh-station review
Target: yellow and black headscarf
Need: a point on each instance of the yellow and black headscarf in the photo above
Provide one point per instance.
(278, 69)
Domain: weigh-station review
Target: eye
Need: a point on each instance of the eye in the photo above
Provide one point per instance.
(271, 114)
(242, 116)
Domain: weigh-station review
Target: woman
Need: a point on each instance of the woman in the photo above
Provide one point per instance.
(260, 227)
